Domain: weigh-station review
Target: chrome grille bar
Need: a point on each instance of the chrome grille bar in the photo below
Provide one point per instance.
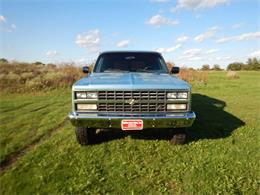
(137, 107)
(137, 95)
(142, 101)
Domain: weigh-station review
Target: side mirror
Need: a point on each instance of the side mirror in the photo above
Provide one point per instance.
(85, 69)
(175, 70)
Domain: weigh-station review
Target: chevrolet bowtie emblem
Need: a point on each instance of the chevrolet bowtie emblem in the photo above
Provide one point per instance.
(131, 101)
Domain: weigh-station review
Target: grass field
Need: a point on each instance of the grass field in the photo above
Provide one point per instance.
(39, 153)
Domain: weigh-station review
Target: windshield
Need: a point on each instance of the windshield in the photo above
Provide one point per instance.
(130, 62)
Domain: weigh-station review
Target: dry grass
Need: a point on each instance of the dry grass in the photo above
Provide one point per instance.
(232, 75)
(194, 76)
(20, 77)
(190, 75)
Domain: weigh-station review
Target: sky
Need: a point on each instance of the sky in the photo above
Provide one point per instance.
(187, 32)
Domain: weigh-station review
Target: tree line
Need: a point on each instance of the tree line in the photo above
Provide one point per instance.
(251, 64)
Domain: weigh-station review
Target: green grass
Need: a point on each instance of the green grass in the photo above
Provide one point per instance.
(26, 118)
(221, 156)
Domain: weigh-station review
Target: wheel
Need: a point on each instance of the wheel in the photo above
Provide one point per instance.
(85, 136)
(179, 137)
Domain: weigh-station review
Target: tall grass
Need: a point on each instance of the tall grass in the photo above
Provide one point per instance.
(196, 77)
(21, 77)
(190, 75)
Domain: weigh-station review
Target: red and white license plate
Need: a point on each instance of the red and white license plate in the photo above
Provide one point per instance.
(131, 125)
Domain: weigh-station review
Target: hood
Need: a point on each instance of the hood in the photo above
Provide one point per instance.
(130, 81)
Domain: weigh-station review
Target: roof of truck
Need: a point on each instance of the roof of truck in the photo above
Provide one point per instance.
(130, 51)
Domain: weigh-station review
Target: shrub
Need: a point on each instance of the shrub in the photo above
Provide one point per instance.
(235, 66)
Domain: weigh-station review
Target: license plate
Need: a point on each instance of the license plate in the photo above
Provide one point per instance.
(131, 125)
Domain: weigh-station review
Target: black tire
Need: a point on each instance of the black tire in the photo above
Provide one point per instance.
(179, 137)
(85, 136)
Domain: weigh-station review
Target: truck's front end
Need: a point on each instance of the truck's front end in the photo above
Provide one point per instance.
(130, 91)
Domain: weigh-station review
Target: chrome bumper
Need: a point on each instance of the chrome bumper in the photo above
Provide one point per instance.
(113, 121)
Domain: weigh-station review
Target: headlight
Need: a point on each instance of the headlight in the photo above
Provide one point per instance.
(182, 95)
(92, 95)
(176, 106)
(87, 95)
(87, 107)
(81, 95)
(172, 95)
(177, 95)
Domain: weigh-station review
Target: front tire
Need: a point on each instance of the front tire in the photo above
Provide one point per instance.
(179, 137)
(85, 136)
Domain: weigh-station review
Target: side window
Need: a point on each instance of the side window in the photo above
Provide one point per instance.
(98, 65)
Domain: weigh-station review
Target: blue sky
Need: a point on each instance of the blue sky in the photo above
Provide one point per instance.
(187, 32)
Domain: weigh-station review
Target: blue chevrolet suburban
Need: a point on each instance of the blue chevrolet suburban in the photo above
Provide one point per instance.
(131, 91)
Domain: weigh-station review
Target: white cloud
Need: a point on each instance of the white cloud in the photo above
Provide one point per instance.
(224, 39)
(237, 25)
(241, 37)
(2, 19)
(6, 27)
(159, 20)
(219, 58)
(81, 61)
(52, 53)
(195, 58)
(123, 43)
(168, 50)
(197, 4)
(206, 35)
(212, 51)
(89, 40)
(248, 36)
(191, 54)
(255, 54)
(182, 39)
(197, 54)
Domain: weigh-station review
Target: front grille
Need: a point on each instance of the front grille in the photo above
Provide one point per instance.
(132, 101)
(136, 107)
(127, 95)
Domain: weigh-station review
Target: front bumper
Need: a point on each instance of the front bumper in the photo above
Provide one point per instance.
(113, 121)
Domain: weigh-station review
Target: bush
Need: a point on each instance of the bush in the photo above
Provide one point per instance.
(235, 66)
